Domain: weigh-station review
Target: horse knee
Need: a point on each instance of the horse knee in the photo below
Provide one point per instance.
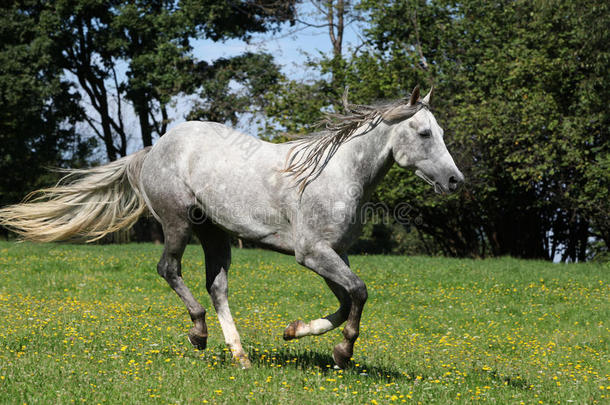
(215, 290)
(162, 268)
(358, 292)
(168, 269)
(198, 316)
(344, 310)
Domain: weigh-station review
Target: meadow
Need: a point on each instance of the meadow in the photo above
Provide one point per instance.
(96, 324)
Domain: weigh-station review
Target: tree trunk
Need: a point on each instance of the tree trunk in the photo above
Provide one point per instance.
(140, 104)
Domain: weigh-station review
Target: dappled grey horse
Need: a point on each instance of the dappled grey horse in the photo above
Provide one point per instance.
(303, 198)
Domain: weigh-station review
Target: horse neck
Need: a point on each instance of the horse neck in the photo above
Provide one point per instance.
(369, 156)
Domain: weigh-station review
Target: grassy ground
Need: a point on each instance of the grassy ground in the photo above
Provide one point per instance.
(95, 324)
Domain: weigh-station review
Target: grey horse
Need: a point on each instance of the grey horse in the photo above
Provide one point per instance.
(302, 198)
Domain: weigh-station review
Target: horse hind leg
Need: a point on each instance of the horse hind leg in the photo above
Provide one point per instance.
(176, 238)
(217, 248)
(299, 329)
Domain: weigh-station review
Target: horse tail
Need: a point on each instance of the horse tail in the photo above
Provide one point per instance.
(85, 204)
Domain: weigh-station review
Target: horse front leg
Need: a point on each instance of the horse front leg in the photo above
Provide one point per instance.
(322, 259)
(299, 329)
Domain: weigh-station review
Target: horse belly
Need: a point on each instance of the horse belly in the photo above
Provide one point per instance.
(244, 210)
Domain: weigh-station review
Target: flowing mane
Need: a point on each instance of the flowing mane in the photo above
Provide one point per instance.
(312, 152)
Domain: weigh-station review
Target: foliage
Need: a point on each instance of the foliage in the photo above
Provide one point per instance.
(521, 90)
(233, 86)
(38, 107)
(97, 324)
(152, 39)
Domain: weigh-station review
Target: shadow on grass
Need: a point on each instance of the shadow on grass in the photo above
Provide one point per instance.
(324, 363)
(306, 360)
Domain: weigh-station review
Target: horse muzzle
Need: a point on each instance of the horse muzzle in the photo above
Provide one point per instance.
(448, 185)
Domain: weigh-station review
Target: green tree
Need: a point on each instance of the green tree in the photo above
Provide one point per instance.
(521, 91)
(295, 107)
(123, 55)
(521, 87)
(38, 108)
(151, 41)
(233, 86)
(154, 37)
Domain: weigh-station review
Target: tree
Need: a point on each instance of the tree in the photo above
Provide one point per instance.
(155, 39)
(38, 107)
(294, 106)
(520, 92)
(124, 55)
(152, 40)
(522, 85)
(221, 100)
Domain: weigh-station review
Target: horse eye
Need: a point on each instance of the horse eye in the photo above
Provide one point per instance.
(426, 133)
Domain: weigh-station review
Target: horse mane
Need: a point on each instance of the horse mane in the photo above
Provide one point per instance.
(312, 152)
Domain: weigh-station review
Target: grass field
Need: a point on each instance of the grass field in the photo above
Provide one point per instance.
(96, 324)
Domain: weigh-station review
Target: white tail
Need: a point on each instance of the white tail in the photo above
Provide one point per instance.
(85, 204)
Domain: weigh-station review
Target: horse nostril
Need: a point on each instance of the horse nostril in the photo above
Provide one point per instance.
(453, 183)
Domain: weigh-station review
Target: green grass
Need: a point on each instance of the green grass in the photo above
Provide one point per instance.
(96, 324)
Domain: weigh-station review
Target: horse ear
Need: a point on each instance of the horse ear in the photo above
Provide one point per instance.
(426, 99)
(414, 95)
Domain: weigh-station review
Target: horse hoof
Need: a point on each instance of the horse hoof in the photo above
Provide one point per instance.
(244, 361)
(341, 355)
(198, 340)
(291, 330)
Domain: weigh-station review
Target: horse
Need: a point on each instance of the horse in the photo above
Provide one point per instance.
(303, 198)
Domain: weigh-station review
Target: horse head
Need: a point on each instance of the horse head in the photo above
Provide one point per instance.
(417, 141)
